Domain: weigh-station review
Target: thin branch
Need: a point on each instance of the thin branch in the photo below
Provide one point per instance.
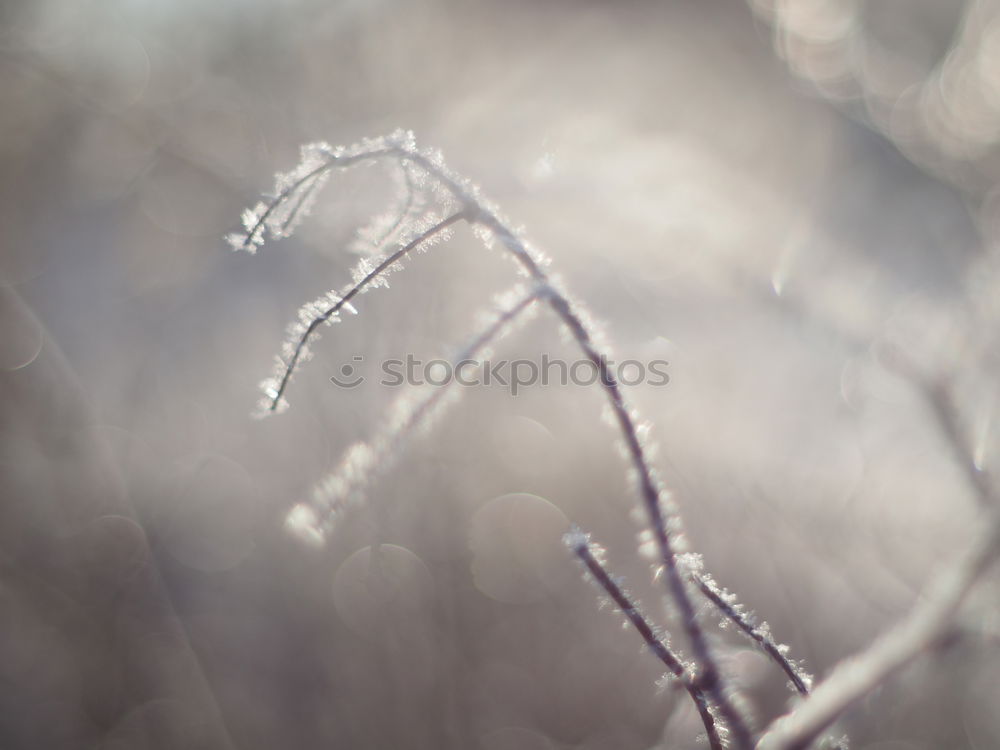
(302, 195)
(948, 419)
(725, 603)
(254, 232)
(361, 463)
(350, 294)
(478, 211)
(404, 212)
(588, 553)
(654, 497)
(760, 633)
(651, 491)
(929, 621)
(925, 625)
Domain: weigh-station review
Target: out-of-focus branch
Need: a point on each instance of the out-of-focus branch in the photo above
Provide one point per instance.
(940, 398)
(930, 622)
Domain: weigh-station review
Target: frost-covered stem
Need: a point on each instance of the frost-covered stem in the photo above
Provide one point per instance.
(255, 231)
(580, 544)
(307, 184)
(476, 211)
(350, 294)
(710, 677)
(761, 637)
(919, 631)
(313, 179)
(405, 210)
(471, 351)
(387, 443)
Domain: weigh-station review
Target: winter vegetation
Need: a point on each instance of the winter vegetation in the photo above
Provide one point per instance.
(445, 198)
(240, 509)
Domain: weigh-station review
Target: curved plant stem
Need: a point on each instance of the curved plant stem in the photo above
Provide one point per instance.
(476, 210)
(350, 294)
(255, 231)
(388, 440)
(404, 212)
(582, 548)
(649, 487)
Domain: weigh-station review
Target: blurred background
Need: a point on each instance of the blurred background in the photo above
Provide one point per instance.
(766, 195)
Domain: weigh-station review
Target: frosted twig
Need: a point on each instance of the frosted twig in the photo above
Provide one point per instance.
(760, 634)
(345, 300)
(478, 211)
(650, 489)
(590, 555)
(260, 220)
(654, 497)
(301, 197)
(404, 213)
(928, 622)
(362, 462)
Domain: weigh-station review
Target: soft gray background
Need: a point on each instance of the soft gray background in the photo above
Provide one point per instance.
(762, 195)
